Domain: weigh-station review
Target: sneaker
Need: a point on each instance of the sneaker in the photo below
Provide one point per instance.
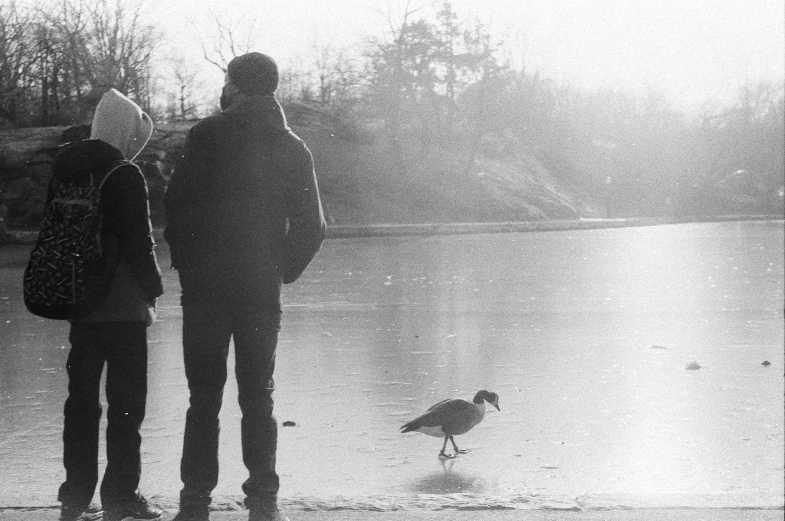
(258, 514)
(139, 508)
(93, 513)
(192, 514)
(70, 513)
(73, 513)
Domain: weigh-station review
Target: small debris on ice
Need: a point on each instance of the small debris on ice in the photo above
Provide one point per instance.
(658, 347)
(693, 366)
(766, 363)
(288, 423)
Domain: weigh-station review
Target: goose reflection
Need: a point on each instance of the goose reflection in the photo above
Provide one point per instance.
(448, 481)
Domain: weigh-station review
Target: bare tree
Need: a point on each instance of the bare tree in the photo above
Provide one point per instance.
(290, 85)
(121, 47)
(336, 75)
(449, 33)
(16, 63)
(45, 48)
(232, 37)
(58, 57)
(185, 77)
(70, 21)
(323, 63)
(481, 63)
(388, 63)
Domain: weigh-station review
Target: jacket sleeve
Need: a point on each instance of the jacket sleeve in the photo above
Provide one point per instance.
(184, 199)
(306, 224)
(128, 217)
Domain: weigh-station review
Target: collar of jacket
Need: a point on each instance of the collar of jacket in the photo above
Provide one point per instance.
(258, 113)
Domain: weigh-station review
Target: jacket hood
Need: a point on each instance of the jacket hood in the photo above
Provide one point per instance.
(82, 158)
(121, 123)
(260, 114)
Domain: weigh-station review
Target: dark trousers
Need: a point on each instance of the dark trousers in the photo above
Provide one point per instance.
(215, 310)
(122, 346)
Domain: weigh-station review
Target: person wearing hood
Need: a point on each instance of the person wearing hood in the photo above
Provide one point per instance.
(243, 216)
(114, 333)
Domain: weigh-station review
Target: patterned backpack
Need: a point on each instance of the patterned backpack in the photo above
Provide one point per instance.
(64, 276)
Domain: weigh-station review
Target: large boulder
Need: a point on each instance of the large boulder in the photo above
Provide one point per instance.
(24, 199)
(26, 167)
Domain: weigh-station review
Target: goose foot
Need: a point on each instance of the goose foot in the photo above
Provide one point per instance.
(442, 455)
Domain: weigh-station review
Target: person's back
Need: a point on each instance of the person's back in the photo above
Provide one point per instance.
(114, 332)
(244, 195)
(243, 217)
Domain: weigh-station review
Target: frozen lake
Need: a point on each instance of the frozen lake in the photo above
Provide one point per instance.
(585, 336)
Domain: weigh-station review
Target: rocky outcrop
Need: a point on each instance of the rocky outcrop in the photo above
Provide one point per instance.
(25, 169)
(360, 180)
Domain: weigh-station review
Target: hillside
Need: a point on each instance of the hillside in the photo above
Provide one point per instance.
(359, 181)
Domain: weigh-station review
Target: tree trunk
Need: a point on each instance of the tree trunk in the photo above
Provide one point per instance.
(472, 154)
(480, 131)
(44, 96)
(55, 89)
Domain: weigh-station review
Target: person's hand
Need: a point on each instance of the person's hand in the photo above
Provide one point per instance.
(152, 313)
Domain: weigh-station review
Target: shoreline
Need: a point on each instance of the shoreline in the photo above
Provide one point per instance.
(348, 231)
(463, 501)
(655, 514)
(391, 230)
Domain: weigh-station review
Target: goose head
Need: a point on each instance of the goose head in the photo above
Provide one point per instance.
(487, 396)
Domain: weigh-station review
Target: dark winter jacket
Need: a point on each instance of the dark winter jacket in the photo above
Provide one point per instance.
(132, 272)
(243, 197)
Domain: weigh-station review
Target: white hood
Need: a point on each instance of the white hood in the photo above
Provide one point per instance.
(121, 123)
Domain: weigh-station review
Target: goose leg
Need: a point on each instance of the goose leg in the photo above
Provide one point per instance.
(459, 451)
(442, 453)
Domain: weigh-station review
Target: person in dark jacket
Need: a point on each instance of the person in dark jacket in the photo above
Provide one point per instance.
(114, 333)
(243, 216)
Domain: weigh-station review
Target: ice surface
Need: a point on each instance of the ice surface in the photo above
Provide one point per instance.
(585, 335)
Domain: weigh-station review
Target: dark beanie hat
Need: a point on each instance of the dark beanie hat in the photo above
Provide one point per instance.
(254, 73)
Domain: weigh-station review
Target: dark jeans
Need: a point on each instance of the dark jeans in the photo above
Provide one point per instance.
(216, 309)
(122, 346)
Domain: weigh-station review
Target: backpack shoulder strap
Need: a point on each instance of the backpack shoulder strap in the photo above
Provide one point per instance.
(116, 166)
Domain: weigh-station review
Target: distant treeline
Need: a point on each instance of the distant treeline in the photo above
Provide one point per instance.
(433, 81)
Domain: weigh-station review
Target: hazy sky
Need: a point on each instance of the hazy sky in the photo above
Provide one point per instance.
(690, 50)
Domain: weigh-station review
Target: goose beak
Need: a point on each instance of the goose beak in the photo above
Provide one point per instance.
(496, 404)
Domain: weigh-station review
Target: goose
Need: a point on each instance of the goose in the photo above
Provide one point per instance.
(452, 417)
